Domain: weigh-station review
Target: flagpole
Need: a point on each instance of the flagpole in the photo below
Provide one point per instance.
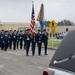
(40, 16)
(32, 22)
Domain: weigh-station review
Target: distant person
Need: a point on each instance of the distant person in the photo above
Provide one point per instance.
(21, 39)
(14, 35)
(2, 39)
(17, 41)
(24, 38)
(5, 40)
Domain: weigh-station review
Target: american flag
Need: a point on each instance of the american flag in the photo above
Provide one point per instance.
(32, 23)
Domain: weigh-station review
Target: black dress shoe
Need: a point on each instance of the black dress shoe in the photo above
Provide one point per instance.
(39, 54)
(27, 55)
(32, 54)
(46, 54)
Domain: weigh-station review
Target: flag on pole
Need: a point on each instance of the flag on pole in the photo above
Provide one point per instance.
(40, 17)
(32, 22)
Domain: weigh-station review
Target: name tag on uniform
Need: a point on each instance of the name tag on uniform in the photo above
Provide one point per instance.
(1, 37)
(39, 41)
(34, 40)
(27, 38)
(9, 37)
(3, 41)
(14, 36)
(5, 35)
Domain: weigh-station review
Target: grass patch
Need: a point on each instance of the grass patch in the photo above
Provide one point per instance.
(53, 43)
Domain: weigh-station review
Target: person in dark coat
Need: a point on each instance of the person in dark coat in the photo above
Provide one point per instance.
(39, 41)
(28, 41)
(10, 39)
(17, 37)
(34, 40)
(45, 40)
(6, 40)
(21, 39)
(24, 39)
(14, 39)
(2, 40)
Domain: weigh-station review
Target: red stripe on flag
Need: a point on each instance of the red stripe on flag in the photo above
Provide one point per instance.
(32, 21)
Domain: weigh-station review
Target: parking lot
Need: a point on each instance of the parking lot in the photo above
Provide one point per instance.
(17, 63)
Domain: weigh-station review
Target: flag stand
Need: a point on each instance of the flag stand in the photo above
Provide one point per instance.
(52, 40)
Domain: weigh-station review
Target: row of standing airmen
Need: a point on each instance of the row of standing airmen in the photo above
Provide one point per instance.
(13, 39)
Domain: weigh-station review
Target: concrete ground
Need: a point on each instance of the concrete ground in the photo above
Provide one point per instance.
(17, 63)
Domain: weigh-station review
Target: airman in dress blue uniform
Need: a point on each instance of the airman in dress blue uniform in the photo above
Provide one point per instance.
(21, 39)
(28, 41)
(39, 41)
(45, 40)
(6, 40)
(14, 39)
(2, 40)
(17, 41)
(24, 38)
(10, 39)
(34, 41)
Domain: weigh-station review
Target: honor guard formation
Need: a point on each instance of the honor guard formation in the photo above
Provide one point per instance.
(13, 40)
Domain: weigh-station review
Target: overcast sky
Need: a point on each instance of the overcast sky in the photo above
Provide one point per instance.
(20, 10)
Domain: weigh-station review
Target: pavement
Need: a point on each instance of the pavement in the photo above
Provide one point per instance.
(17, 63)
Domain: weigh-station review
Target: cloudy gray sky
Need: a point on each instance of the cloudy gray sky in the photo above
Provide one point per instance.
(20, 10)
